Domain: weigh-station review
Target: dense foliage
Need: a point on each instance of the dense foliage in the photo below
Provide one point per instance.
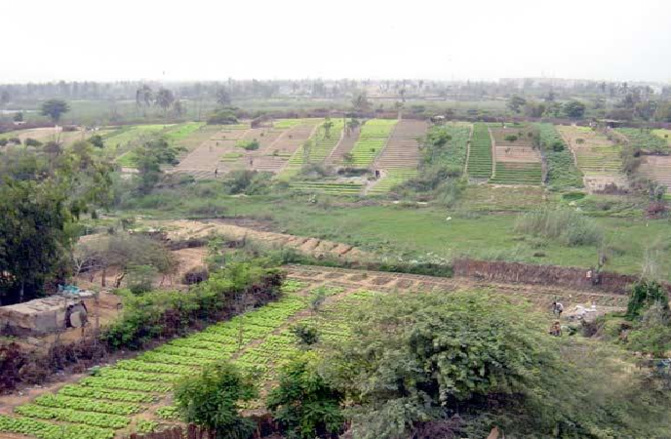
(212, 400)
(42, 194)
(304, 404)
(161, 313)
(464, 363)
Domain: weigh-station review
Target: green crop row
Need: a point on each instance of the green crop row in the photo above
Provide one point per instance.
(372, 139)
(47, 430)
(86, 404)
(125, 384)
(480, 156)
(562, 171)
(104, 420)
(113, 395)
(517, 173)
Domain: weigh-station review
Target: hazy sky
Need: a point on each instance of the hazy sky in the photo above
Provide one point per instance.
(442, 39)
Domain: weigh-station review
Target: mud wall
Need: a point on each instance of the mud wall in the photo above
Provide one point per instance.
(569, 277)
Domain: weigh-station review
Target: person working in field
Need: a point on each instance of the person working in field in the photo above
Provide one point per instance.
(555, 329)
(557, 308)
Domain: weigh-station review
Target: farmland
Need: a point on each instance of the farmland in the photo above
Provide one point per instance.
(597, 157)
(117, 399)
(562, 171)
(645, 140)
(372, 140)
(480, 153)
(517, 159)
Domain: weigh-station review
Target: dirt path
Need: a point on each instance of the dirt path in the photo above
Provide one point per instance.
(185, 229)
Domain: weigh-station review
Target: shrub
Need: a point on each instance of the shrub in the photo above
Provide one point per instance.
(196, 275)
(306, 335)
(166, 314)
(511, 138)
(248, 145)
(32, 142)
(223, 116)
(304, 404)
(566, 226)
(645, 294)
(212, 400)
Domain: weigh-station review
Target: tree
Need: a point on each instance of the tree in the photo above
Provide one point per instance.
(150, 157)
(97, 141)
(54, 109)
(327, 125)
(165, 99)
(304, 405)
(179, 108)
(574, 109)
(515, 103)
(18, 117)
(212, 401)
(360, 102)
(144, 97)
(4, 97)
(414, 360)
(33, 234)
(223, 97)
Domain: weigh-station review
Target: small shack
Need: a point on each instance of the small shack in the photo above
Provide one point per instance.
(47, 315)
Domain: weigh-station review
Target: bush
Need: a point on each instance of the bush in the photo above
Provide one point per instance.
(141, 278)
(306, 335)
(196, 275)
(248, 145)
(212, 401)
(303, 404)
(223, 116)
(247, 182)
(644, 295)
(32, 142)
(418, 359)
(166, 314)
(566, 226)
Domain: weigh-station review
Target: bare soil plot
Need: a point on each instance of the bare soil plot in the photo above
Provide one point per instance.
(519, 136)
(657, 168)
(517, 161)
(344, 147)
(402, 151)
(596, 156)
(517, 154)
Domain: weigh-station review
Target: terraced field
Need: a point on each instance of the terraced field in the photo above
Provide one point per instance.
(657, 168)
(562, 173)
(517, 161)
(222, 150)
(663, 134)
(645, 140)
(517, 173)
(316, 150)
(400, 159)
(480, 154)
(372, 140)
(597, 157)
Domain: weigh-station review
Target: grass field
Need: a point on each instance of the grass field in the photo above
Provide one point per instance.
(397, 231)
(480, 158)
(663, 134)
